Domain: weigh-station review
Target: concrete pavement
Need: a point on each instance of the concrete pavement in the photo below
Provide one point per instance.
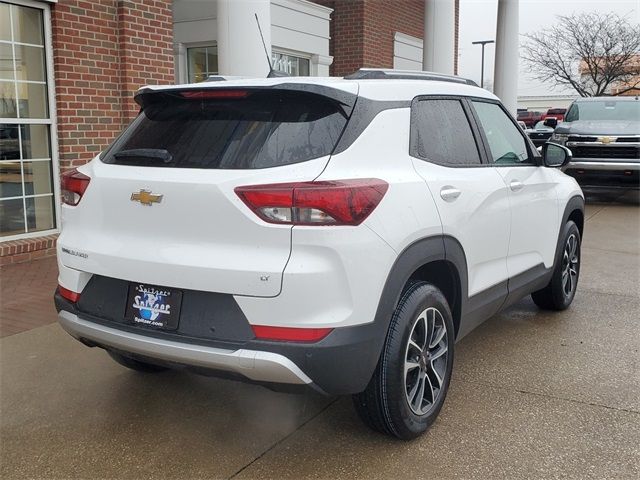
(534, 395)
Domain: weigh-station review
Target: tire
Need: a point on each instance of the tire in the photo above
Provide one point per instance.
(561, 290)
(406, 406)
(134, 364)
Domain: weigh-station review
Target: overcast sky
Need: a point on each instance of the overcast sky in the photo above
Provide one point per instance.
(478, 22)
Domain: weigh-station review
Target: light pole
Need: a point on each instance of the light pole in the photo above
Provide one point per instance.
(483, 43)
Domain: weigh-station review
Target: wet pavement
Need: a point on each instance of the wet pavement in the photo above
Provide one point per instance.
(534, 395)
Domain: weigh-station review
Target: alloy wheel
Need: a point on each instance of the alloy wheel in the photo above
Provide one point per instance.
(426, 358)
(570, 262)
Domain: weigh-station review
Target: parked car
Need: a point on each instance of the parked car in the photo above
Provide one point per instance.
(557, 113)
(603, 134)
(542, 131)
(316, 232)
(529, 118)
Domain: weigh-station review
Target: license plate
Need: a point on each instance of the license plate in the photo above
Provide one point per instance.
(153, 306)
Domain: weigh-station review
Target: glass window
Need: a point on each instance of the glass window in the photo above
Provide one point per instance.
(202, 62)
(7, 72)
(29, 63)
(290, 64)
(27, 201)
(28, 25)
(11, 217)
(5, 22)
(440, 133)
(10, 179)
(507, 145)
(264, 129)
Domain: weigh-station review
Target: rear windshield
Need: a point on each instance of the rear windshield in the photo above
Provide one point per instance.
(604, 110)
(242, 130)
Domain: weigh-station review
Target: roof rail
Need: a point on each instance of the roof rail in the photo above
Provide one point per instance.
(387, 74)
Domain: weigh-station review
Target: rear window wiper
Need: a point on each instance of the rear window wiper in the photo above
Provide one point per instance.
(158, 154)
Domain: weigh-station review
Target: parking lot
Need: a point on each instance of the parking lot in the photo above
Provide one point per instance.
(534, 395)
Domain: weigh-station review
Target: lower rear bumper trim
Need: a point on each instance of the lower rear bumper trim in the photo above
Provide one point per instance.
(253, 364)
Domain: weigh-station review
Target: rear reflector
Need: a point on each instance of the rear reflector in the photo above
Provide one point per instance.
(290, 334)
(336, 202)
(213, 93)
(73, 297)
(73, 185)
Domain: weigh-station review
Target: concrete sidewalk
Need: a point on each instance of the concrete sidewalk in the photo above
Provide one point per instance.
(534, 395)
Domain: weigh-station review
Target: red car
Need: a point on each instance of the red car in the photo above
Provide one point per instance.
(529, 118)
(558, 113)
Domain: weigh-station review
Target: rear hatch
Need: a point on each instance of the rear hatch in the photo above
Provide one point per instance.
(160, 207)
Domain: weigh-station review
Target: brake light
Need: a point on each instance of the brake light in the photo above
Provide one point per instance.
(73, 185)
(290, 334)
(213, 93)
(67, 294)
(336, 202)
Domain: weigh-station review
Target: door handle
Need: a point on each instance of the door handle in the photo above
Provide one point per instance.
(449, 193)
(516, 186)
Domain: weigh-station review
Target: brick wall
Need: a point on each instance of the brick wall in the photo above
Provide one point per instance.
(103, 51)
(362, 31)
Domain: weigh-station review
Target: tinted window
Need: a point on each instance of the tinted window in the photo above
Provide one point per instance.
(441, 133)
(506, 142)
(262, 129)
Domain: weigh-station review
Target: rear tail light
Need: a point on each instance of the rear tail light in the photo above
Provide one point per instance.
(73, 185)
(337, 202)
(285, 334)
(73, 297)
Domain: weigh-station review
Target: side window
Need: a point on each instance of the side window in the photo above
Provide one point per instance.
(508, 146)
(440, 133)
(573, 113)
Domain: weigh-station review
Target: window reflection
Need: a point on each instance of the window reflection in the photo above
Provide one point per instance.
(27, 25)
(11, 217)
(10, 179)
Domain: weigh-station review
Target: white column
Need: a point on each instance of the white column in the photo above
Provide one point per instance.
(439, 36)
(240, 50)
(505, 76)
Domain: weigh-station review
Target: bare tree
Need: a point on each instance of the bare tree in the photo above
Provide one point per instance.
(590, 52)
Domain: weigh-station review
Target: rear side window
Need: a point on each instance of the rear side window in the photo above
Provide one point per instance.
(242, 129)
(440, 133)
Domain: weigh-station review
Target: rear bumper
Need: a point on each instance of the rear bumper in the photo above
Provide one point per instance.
(254, 365)
(341, 363)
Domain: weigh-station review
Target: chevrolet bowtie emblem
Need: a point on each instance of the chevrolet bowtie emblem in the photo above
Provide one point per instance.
(605, 140)
(145, 197)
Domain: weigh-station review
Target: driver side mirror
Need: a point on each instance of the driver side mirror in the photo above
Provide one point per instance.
(554, 155)
(551, 122)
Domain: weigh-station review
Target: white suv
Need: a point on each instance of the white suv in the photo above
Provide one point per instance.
(338, 233)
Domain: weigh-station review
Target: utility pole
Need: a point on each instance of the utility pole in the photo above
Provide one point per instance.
(483, 43)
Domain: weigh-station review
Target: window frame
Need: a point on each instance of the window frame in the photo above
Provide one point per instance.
(482, 154)
(51, 122)
(533, 159)
(187, 47)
